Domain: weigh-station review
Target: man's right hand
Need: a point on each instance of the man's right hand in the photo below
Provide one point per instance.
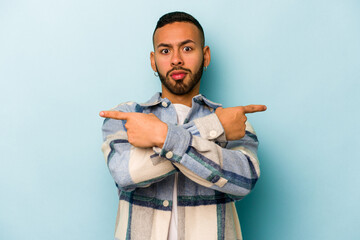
(233, 119)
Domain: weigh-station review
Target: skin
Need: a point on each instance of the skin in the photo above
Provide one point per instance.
(178, 49)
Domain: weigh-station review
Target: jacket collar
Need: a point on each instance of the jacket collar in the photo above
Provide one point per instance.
(198, 99)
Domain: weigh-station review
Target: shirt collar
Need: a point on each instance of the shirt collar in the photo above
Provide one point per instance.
(198, 99)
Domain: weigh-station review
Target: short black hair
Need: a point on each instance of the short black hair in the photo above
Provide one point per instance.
(179, 17)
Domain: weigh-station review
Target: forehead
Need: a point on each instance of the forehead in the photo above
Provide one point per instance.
(177, 32)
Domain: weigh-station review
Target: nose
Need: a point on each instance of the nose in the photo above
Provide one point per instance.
(176, 59)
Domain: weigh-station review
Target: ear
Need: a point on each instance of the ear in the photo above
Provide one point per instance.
(207, 56)
(152, 61)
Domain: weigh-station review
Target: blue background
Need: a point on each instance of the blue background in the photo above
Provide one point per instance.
(61, 62)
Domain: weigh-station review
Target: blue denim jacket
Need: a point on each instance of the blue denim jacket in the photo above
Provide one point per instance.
(213, 173)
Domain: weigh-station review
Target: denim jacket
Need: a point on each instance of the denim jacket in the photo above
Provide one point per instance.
(213, 173)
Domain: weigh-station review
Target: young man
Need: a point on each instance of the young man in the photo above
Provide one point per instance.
(179, 160)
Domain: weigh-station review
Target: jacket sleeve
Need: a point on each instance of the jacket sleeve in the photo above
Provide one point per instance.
(130, 166)
(208, 159)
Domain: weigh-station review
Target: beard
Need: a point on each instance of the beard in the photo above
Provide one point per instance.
(180, 87)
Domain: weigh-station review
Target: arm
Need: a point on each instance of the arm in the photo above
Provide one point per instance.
(198, 158)
(233, 170)
(132, 162)
(130, 166)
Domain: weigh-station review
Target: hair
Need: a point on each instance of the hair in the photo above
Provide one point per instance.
(172, 17)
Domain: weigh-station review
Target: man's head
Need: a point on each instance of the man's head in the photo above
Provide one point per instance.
(179, 17)
(179, 53)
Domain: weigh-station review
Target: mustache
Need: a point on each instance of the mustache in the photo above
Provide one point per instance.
(177, 69)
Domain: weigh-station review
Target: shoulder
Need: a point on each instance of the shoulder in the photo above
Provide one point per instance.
(250, 134)
(249, 128)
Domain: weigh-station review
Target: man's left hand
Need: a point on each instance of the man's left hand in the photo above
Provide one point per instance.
(143, 130)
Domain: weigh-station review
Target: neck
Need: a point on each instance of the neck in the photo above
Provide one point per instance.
(185, 99)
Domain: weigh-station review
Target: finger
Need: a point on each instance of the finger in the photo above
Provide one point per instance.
(114, 115)
(254, 108)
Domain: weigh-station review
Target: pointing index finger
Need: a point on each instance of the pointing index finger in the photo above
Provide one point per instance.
(254, 108)
(114, 115)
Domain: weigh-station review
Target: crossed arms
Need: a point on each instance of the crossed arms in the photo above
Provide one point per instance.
(140, 149)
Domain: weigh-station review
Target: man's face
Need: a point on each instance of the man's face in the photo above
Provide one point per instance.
(179, 57)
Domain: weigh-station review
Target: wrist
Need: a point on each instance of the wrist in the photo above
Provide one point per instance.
(161, 136)
(210, 128)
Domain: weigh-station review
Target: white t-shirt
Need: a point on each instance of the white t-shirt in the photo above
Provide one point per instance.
(182, 112)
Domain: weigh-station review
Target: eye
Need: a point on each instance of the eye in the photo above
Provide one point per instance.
(165, 51)
(187, 49)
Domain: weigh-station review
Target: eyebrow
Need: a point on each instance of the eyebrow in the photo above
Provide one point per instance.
(181, 43)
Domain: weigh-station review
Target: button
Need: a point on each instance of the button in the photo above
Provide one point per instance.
(212, 133)
(165, 203)
(164, 104)
(169, 155)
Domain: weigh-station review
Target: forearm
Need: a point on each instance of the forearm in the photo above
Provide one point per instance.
(130, 166)
(231, 171)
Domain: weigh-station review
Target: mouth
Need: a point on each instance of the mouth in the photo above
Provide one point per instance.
(178, 75)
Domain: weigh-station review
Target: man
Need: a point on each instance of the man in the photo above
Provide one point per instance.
(179, 160)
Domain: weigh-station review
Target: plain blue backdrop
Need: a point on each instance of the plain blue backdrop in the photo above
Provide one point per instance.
(61, 62)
